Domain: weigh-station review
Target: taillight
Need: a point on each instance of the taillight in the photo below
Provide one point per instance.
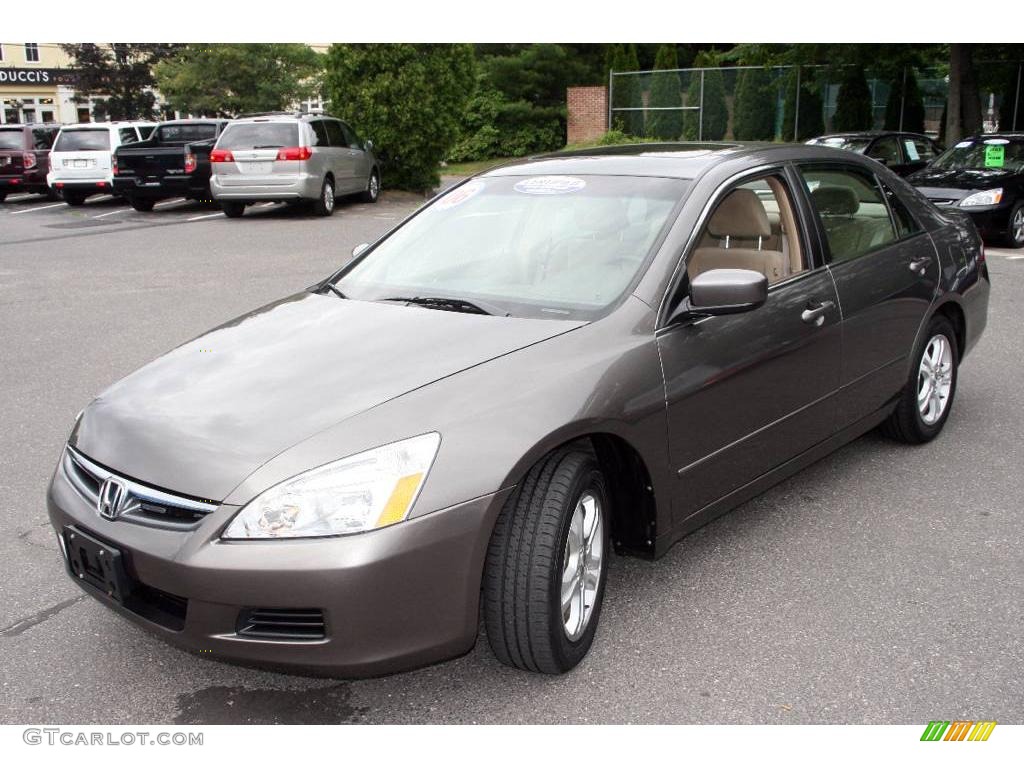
(113, 164)
(294, 153)
(28, 160)
(190, 162)
(221, 156)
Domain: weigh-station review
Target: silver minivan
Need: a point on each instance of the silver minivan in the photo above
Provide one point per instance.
(291, 157)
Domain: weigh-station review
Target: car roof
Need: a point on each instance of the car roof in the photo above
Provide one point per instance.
(681, 160)
(869, 134)
(282, 117)
(193, 120)
(112, 124)
(1009, 135)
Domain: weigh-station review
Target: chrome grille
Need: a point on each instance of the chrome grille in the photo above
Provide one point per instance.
(142, 504)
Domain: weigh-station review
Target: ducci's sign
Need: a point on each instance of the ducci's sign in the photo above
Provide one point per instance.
(25, 76)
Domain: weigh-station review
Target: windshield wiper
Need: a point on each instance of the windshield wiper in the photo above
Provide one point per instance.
(268, 146)
(330, 287)
(449, 304)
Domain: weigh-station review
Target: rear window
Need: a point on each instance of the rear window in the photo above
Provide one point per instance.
(182, 134)
(259, 136)
(10, 138)
(83, 140)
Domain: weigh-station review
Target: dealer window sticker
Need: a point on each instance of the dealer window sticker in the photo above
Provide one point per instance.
(459, 195)
(550, 185)
(995, 156)
(912, 154)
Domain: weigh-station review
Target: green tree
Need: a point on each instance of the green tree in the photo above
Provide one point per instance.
(907, 93)
(853, 102)
(627, 92)
(754, 112)
(716, 111)
(235, 78)
(407, 97)
(119, 76)
(1008, 97)
(666, 92)
(812, 119)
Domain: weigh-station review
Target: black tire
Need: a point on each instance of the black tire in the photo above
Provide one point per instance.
(74, 198)
(51, 194)
(372, 193)
(3, 196)
(525, 558)
(324, 205)
(142, 205)
(1015, 229)
(233, 210)
(906, 423)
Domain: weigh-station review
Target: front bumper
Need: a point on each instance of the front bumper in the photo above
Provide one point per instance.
(300, 186)
(392, 599)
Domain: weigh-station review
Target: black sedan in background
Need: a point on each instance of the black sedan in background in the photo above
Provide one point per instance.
(983, 176)
(903, 153)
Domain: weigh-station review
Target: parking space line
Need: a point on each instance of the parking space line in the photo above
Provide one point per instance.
(172, 201)
(38, 208)
(111, 213)
(207, 216)
(1014, 258)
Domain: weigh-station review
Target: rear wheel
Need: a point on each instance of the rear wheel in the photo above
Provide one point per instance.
(372, 193)
(233, 210)
(546, 565)
(51, 193)
(3, 196)
(324, 205)
(74, 198)
(142, 205)
(1015, 230)
(928, 396)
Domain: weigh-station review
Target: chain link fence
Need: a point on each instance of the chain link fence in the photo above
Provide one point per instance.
(796, 103)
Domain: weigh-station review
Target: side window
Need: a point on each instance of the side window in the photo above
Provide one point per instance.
(920, 149)
(127, 134)
(753, 227)
(320, 131)
(904, 220)
(337, 138)
(351, 140)
(853, 213)
(885, 149)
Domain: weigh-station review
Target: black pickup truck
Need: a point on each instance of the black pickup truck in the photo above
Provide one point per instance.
(173, 162)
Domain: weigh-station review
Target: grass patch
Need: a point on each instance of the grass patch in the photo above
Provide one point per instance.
(472, 167)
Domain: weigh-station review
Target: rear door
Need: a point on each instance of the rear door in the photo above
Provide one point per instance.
(12, 149)
(749, 391)
(254, 146)
(345, 158)
(361, 160)
(886, 273)
(82, 154)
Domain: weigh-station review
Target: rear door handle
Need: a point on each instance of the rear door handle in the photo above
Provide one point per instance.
(920, 265)
(815, 313)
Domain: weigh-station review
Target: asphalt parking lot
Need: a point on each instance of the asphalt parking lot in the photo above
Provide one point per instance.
(882, 585)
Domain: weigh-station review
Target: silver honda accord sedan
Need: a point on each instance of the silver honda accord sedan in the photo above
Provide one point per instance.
(559, 358)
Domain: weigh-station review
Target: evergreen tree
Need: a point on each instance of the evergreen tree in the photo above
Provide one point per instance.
(716, 111)
(666, 92)
(908, 93)
(853, 102)
(635, 116)
(1006, 103)
(754, 112)
(812, 119)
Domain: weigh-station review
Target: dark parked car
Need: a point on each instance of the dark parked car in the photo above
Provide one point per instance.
(580, 351)
(173, 162)
(903, 153)
(25, 157)
(982, 176)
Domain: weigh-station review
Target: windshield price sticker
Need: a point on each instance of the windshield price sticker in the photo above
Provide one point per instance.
(995, 155)
(460, 194)
(550, 185)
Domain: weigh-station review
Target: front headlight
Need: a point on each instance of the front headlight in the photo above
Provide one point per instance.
(987, 197)
(359, 493)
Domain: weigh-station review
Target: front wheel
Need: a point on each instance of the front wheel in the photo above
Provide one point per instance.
(546, 564)
(928, 396)
(324, 205)
(1015, 229)
(372, 193)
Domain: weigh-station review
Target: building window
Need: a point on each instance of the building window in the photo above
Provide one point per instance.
(1, 51)
(31, 52)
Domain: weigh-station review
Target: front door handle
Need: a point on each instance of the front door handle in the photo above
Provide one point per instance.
(920, 265)
(815, 313)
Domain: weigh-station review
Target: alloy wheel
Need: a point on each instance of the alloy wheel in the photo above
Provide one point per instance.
(934, 379)
(1017, 227)
(581, 565)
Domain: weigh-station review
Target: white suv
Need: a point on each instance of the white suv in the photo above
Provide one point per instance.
(82, 159)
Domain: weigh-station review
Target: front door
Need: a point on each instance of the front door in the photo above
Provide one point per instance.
(886, 274)
(747, 392)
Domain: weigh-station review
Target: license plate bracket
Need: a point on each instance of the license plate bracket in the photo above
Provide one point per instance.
(96, 564)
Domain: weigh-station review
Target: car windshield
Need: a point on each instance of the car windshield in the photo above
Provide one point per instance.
(983, 155)
(259, 135)
(530, 246)
(88, 139)
(852, 143)
(11, 138)
(182, 134)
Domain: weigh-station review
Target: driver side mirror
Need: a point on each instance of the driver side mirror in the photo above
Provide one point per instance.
(359, 249)
(722, 292)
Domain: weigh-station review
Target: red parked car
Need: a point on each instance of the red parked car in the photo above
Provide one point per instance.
(25, 157)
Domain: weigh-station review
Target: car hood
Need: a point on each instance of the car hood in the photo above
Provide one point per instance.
(201, 418)
(960, 178)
